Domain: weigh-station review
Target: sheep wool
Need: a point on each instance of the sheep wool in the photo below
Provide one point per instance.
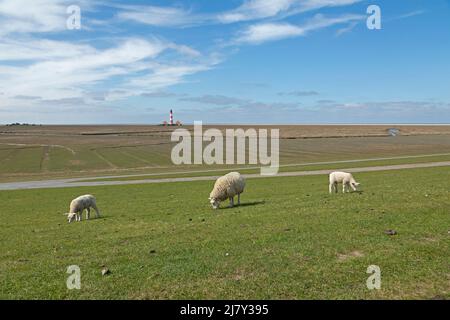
(226, 187)
(345, 178)
(78, 205)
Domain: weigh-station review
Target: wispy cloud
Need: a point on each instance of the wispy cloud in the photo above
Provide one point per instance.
(37, 16)
(348, 28)
(216, 100)
(260, 9)
(249, 10)
(299, 93)
(60, 70)
(409, 15)
(256, 9)
(259, 33)
(239, 104)
(161, 16)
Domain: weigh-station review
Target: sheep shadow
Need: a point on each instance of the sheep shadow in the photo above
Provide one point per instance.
(92, 219)
(245, 204)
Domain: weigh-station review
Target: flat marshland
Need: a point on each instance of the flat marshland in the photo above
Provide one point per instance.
(289, 239)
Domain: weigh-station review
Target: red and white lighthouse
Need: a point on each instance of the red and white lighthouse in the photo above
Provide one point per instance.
(171, 117)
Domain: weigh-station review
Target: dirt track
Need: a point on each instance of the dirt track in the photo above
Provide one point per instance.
(81, 182)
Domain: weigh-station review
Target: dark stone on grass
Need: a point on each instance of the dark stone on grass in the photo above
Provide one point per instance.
(152, 251)
(190, 219)
(390, 232)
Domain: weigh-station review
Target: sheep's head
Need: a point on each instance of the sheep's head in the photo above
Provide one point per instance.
(356, 184)
(214, 203)
(71, 216)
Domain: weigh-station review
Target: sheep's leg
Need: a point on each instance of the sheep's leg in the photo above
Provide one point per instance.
(231, 202)
(78, 216)
(88, 213)
(335, 186)
(330, 187)
(348, 187)
(97, 213)
(239, 199)
(344, 187)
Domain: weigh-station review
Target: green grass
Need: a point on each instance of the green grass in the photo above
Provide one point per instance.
(289, 239)
(22, 160)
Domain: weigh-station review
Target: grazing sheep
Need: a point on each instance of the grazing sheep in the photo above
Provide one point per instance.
(345, 178)
(78, 205)
(226, 187)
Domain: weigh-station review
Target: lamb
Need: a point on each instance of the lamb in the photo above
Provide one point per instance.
(78, 205)
(226, 187)
(345, 178)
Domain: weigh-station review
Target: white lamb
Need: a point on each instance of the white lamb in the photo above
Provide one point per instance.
(345, 178)
(226, 187)
(78, 205)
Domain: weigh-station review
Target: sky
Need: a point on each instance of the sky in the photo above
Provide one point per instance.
(234, 61)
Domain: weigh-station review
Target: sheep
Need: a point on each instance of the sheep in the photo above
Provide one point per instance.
(225, 187)
(345, 178)
(78, 205)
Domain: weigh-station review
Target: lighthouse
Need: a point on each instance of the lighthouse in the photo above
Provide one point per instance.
(171, 118)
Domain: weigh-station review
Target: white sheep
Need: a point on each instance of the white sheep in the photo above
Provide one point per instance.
(345, 178)
(78, 205)
(226, 187)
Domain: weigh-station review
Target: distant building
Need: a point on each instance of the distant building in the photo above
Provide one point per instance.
(171, 123)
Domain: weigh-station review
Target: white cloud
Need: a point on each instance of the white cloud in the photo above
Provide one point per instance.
(249, 10)
(34, 49)
(256, 9)
(25, 16)
(160, 16)
(52, 70)
(260, 9)
(263, 32)
(165, 75)
(259, 33)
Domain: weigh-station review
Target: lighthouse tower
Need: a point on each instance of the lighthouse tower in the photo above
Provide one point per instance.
(171, 118)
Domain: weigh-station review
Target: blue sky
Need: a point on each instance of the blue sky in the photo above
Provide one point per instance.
(239, 61)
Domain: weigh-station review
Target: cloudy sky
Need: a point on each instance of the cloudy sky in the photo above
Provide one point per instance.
(234, 61)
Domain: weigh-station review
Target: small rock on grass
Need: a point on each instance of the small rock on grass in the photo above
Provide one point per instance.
(152, 251)
(105, 271)
(390, 232)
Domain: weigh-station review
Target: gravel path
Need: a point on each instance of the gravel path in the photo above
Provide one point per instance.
(81, 182)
